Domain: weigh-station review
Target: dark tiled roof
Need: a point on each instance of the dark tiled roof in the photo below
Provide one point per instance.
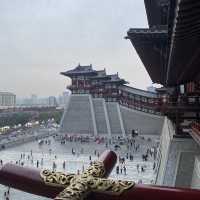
(139, 91)
(115, 78)
(101, 74)
(80, 69)
(96, 74)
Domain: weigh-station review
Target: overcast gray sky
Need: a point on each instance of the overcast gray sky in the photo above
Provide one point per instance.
(40, 38)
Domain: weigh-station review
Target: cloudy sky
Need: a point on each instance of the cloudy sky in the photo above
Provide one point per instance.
(40, 38)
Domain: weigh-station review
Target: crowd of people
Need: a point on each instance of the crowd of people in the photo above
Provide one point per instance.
(133, 148)
(7, 194)
(137, 152)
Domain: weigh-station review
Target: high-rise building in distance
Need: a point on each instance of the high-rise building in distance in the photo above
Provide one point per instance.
(7, 99)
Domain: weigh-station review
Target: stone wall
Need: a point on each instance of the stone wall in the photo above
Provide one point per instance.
(180, 162)
(162, 156)
(146, 123)
(176, 158)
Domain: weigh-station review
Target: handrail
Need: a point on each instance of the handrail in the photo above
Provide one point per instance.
(30, 180)
(155, 105)
(196, 127)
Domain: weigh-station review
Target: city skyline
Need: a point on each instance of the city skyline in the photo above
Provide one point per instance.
(39, 39)
(36, 100)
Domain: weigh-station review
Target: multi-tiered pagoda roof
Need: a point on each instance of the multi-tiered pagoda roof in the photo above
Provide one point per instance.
(79, 70)
(87, 70)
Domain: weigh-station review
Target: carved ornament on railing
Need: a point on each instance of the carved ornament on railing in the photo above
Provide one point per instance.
(77, 187)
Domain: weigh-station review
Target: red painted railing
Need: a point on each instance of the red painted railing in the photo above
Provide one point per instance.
(29, 180)
(196, 127)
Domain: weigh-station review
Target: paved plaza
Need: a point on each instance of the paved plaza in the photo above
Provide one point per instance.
(54, 152)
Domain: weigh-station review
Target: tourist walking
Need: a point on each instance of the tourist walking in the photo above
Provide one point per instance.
(117, 169)
(64, 164)
(124, 170)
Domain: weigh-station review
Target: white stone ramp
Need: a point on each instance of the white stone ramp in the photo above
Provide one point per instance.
(100, 116)
(78, 117)
(145, 123)
(114, 118)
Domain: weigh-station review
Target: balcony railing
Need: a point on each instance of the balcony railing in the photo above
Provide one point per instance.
(195, 131)
(147, 104)
(196, 127)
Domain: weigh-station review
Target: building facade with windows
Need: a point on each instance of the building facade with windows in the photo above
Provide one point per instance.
(7, 99)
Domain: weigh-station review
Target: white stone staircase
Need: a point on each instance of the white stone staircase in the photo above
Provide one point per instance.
(78, 116)
(93, 116)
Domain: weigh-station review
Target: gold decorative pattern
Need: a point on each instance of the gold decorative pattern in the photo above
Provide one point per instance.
(56, 178)
(109, 185)
(77, 190)
(96, 170)
(81, 185)
(77, 187)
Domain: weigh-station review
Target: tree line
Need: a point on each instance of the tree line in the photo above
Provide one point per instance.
(24, 117)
